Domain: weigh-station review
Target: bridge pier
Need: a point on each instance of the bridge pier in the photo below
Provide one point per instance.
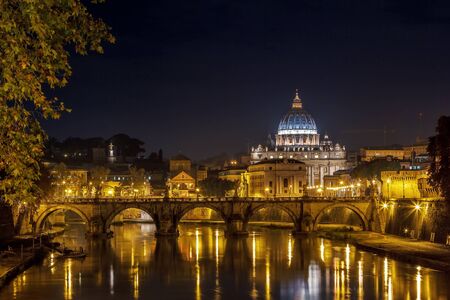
(236, 226)
(166, 228)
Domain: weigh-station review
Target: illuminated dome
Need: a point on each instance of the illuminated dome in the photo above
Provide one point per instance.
(297, 121)
(297, 127)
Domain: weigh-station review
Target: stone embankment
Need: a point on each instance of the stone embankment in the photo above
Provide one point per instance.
(15, 262)
(425, 254)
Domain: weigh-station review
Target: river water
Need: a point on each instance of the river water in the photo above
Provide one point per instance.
(203, 264)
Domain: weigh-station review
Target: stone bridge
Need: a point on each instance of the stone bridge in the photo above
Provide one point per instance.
(305, 213)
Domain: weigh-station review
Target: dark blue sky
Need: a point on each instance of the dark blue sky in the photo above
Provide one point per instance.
(204, 77)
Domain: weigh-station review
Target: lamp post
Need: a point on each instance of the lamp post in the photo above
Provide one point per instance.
(197, 191)
(389, 187)
(403, 182)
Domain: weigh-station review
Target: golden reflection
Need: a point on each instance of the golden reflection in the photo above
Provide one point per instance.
(388, 292)
(216, 242)
(52, 263)
(347, 269)
(145, 248)
(217, 249)
(111, 280)
(268, 296)
(135, 272)
(347, 257)
(254, 292)
(289, 251)
(198, 294)
(132, 254)
(360, 279)
(322, 250)
(337, 279)
(68, 280)
(197, 244)
(418, 283)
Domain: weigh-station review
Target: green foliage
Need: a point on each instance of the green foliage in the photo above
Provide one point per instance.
(35, 38)
(374, 168)
(214, 187)
(126, 145)
(99, 175)
(439, 151)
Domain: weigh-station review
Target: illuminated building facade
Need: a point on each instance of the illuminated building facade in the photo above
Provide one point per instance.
(298, 138)
(407, 184)
(184, 177)
(275, 178)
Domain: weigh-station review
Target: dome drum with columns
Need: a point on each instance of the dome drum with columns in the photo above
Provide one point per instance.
(298, 138)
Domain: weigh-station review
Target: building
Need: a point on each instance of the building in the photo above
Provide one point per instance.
(181, 185)
(184, 177)
(232, 173)
(298, 138)
(179, 163)
(372, 153)
(415, 151)
(341, 184)
(275, 178)
(406, 184)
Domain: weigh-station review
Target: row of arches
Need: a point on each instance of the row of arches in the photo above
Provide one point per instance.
(332, 215)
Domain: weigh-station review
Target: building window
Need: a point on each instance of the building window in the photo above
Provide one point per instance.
(270, 183)
(300, 184)
(285, 182)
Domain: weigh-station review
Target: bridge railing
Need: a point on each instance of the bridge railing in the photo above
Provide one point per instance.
(199, 199)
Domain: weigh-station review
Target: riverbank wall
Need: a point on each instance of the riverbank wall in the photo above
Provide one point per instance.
(413, 251)
(15, 265)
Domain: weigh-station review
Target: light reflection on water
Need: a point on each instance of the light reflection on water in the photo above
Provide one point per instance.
(203, 264)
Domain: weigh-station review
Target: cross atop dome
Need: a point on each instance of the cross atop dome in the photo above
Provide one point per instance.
(297, 103)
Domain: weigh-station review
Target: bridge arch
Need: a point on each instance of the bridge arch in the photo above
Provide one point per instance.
(43, 215)
(358, 212)
(189, 208)
(121, 209)
(278, 206)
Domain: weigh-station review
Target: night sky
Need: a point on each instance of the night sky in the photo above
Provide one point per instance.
(206, 77)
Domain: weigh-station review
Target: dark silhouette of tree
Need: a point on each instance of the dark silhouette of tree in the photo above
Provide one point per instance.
(126, 145)
(215, 187)
(439, 152)
(373, 168)
(35, 39)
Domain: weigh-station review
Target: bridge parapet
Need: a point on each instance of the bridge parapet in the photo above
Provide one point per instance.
(305, 212)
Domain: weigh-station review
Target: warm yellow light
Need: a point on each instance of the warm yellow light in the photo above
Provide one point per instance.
(197, 190)
(385, 205)
(319, 190)
(417, 207)
(358, 184)
(388, 180)
(266, 189)
(341, 182)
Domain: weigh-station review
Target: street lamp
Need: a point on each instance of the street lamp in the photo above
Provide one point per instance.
(267, 191)
(197, 191)
(389, 187)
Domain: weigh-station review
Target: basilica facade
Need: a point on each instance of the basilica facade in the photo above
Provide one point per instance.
(298, 138)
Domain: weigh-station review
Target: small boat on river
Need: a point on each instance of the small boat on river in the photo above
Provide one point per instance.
(68, 253)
